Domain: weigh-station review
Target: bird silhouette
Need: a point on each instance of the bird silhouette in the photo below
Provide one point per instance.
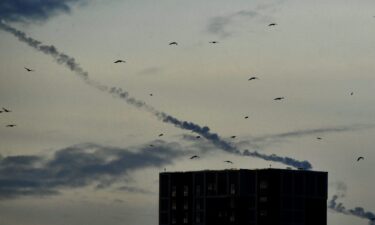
(11, 125)
(194, 157)
(233, 137)
(119, 61)
(278, 98)
(360, 158)
(151, 94)
(351, 93)
(6, 110)
(173, 43)
(198, 137)
(246, 117)
(319, 138)
(227, 161)
(1, 111)
(272, 24)
(253, 78)
(28, 70)
(213, 42)
(151, 145)
(161, 135)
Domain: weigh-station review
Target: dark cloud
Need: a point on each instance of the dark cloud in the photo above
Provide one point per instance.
(359, 212)
(79, 166)
(33, 10)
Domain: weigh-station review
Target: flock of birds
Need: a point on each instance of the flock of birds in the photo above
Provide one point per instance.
(252, 78)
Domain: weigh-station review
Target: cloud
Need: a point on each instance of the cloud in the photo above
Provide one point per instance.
(134, 190)
(33, 10)
(265, 140)
(80, 166)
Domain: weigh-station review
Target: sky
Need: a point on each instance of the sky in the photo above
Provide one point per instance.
(86, 147)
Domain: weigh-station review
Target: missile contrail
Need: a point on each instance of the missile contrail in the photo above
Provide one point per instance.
(357, 211)
(71, 63)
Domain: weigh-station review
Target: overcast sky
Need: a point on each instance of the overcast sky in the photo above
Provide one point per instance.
(79, 155)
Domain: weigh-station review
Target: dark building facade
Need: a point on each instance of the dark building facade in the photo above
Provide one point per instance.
(243, 197)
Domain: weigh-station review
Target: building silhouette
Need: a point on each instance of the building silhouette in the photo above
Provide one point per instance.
(243, 197)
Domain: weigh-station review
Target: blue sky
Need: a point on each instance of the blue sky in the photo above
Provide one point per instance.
(85, 156)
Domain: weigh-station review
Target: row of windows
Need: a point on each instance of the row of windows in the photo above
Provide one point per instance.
(211, 188)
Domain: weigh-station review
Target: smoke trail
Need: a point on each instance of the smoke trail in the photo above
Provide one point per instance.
(284, 160)
(357, 211)
(71, 63)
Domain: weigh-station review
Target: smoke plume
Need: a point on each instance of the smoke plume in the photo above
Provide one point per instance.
(71, 64)
(357, 211)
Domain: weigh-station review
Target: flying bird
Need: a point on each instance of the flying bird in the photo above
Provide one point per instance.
(278, 98)
(194, 157)
(319, 138)
(233, 137)
(272, 24)
(360, 158)
(227, 161)
(198, 137)
(28, 70)
(351, 93)
(246, 117)
(161, 135)
(151, 94)
(213, 42)
(151, 146)
(6, 110)
(11, 125)
(119, 61)
(1, 111)
(253, 78)
(173, 43)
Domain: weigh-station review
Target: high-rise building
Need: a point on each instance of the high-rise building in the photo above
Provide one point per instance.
(243, 197)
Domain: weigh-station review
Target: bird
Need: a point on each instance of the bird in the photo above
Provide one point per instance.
(194, 157)
(213, 42)
(359, 158)
(1, 111)
(161, 135)
(319, 138)
(246, 117)
(233, 137)
(151, 94)
(173, 43)
(253, 78)
(11, 125)
(119, 61)
(278, 98)
(6, 110)
(151, 146)
(227, 161)
(198, 137)
(272, 24)
(351, 93)
(28, 70)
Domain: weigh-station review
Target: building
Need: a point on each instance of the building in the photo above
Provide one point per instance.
(243, 197)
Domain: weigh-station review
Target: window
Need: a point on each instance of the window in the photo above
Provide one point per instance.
(174, 190)
(186, 205)
(198, 218)
(198, 190)
(198, 206)
(263, 184)
(232, 218)
(263, 213)
(174, 221)
(174, 206)
(232, 203)
(186, 190)
(186, 218)
(263, 199)
(232, 189)
(210, 187)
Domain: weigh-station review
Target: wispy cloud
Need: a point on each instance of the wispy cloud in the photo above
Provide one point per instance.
(224, 25)
(265, 140)
(31, 10)
(79, 166)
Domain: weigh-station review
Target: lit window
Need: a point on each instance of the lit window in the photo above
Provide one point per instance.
(186, 190)
(263, 184)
